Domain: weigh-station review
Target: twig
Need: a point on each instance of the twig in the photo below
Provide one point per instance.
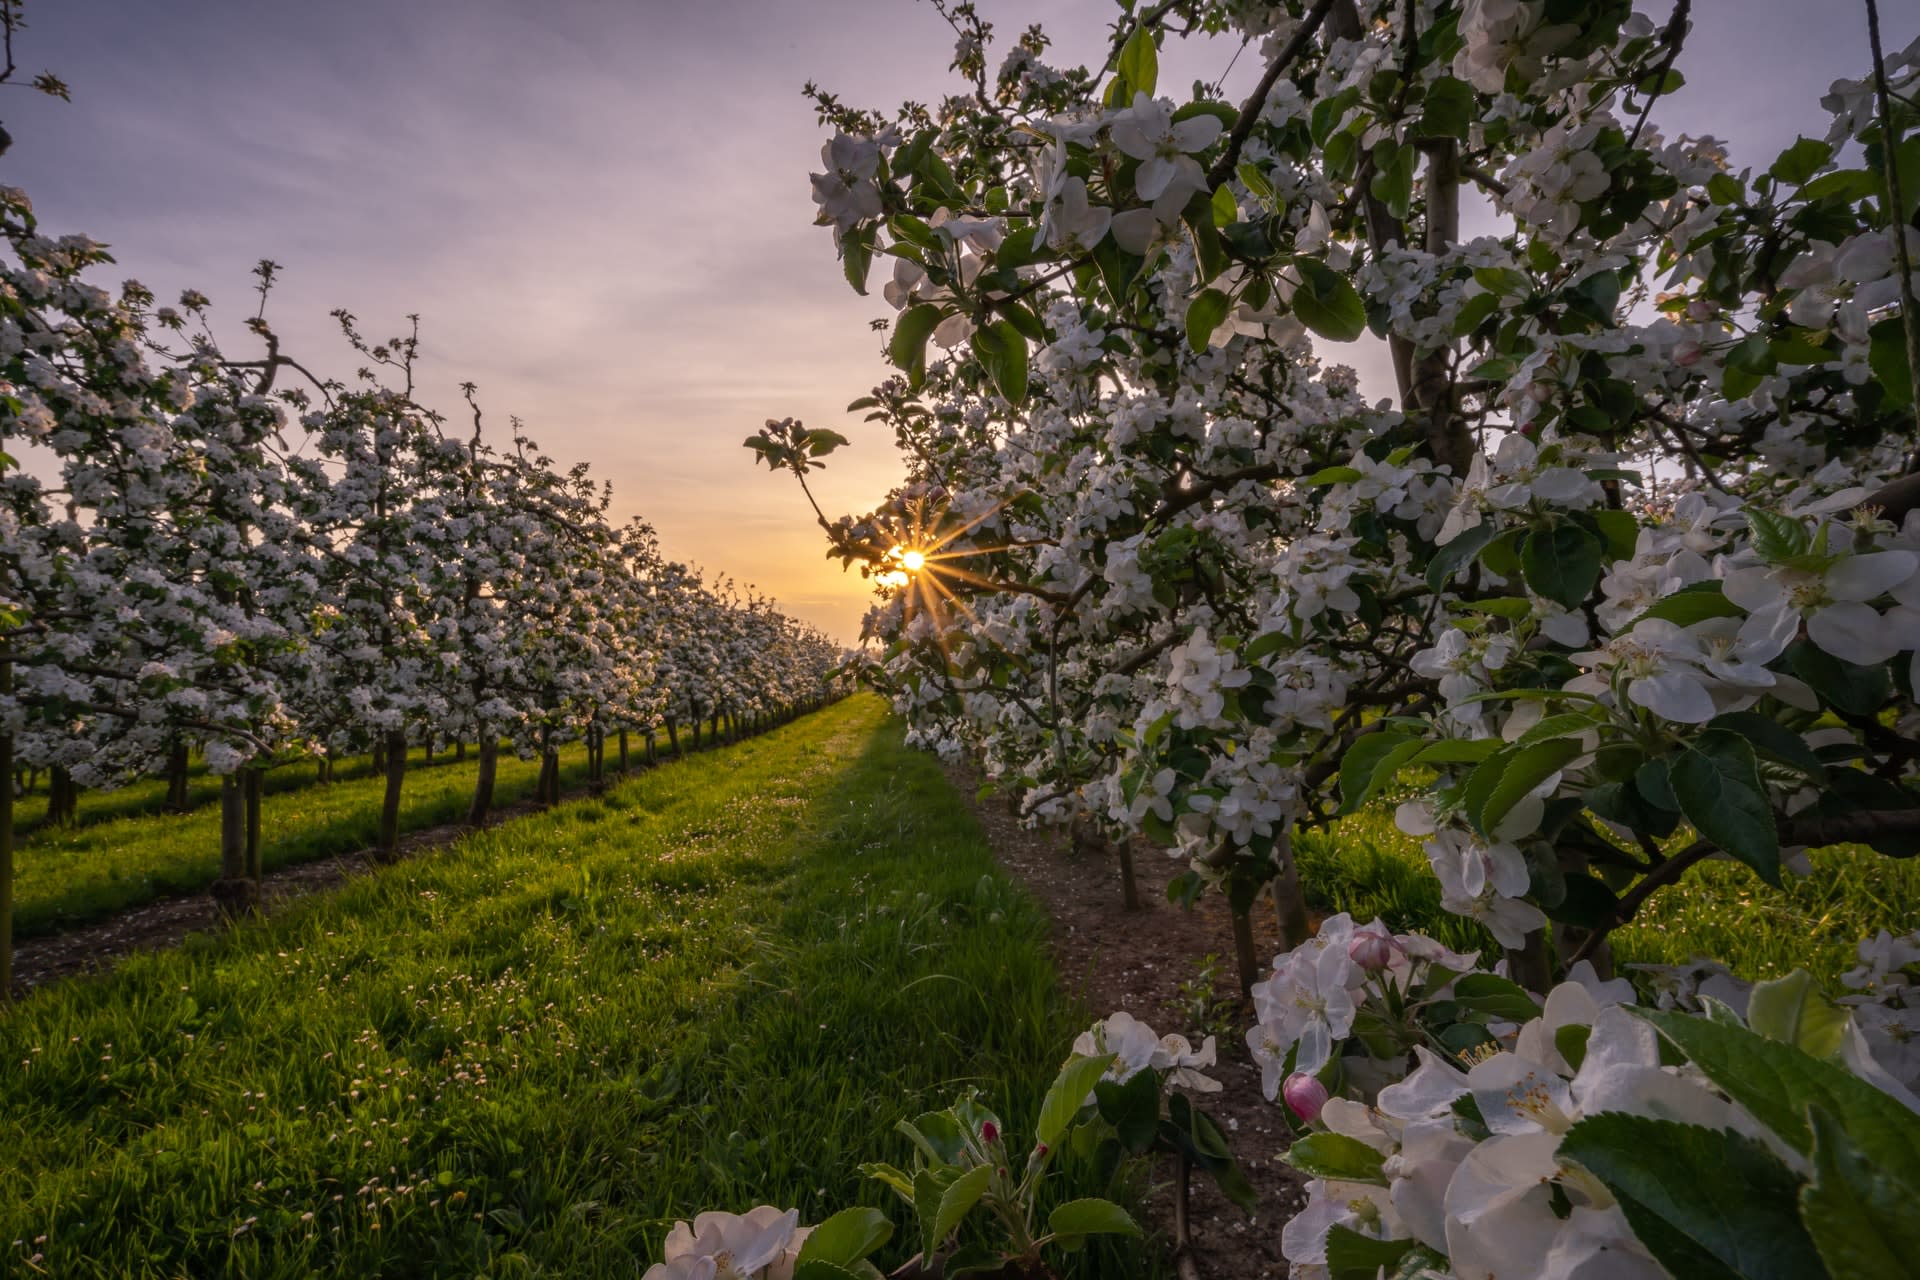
(1183, 1263)
(1485, 179)
(1897, 216)
(1250, 112)
(1675, 35)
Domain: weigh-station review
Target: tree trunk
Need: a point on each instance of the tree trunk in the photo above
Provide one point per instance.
(1290, 898)
(652, 756)
(396, 771)
(1243, 957)
(177, 777)
(673, 738)
(63, 798)
(1129, 885)
(1532, 965)
(255, 787)
(6, 845)
(547, 787)
(460, 751)
(623, 751)
(696, 733)
(233, 892)
(483, 782)
(379, 758)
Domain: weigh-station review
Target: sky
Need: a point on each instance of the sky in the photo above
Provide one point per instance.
(600, 208)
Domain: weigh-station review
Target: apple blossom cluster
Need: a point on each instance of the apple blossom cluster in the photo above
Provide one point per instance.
(1457, 1125)
(1620, 573)
(761, 1244)
(192, 556)
(1625, 571)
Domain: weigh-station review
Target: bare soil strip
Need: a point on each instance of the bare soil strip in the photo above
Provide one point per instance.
(1113, 958)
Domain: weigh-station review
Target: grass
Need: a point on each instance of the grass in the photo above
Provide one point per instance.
(1720, 909)
(73, 877)
(718, 984)
(149, 795)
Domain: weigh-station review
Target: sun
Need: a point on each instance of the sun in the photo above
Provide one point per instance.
(913, 561)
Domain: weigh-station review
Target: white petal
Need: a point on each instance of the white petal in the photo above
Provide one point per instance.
(1853, 633)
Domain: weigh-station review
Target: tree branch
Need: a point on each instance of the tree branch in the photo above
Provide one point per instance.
(1250, 112)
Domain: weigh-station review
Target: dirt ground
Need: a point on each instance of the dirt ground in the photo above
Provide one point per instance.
(1140, 961)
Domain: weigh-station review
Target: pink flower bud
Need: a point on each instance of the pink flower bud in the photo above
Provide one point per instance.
(1686, 353)
(1304, 1096)
(990, 1132)
(1371, 949)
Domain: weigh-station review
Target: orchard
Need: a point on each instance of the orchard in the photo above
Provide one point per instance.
(1600, 598)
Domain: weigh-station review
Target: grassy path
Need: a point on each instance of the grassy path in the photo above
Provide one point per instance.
(106, 865)
(718, 984)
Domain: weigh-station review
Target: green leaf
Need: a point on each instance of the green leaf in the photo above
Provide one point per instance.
(1691, 604)
(856, 258)
(1352, 1256)
(1140, 62)
(907, 349)
(1621, 531)
(1801, 161)
(1524, 770)
(1205, 314)
(1458, 751)
(1254, 179)
(820, 1270)
(1861, 1218)
(1559, 725)
(956, 1201)
(1449, 110)
(1132, 1108)
(1334, 475)
(1473, 312)
(1392, 185)
(1777, 538)
(1067, 1094)
(1887, 359)
(1456, 555)
(847, 1237)
(1326, 302)
(1840, 684)
(1091, 1217)
(1717, 783)
(1571, 1042)
(1225, 208)
(937, 1134)
(1773, 740)
(1336, 1156)
(1003, 351)
(1491, 994)
(1562, 563)
(1370, 763)
(894, 1178)
(1792, 1011)
(1705, 1202)
(1777, 1083)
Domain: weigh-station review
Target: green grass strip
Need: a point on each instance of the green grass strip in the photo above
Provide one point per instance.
(68, 878)
(1363, 864)
(719, 984)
